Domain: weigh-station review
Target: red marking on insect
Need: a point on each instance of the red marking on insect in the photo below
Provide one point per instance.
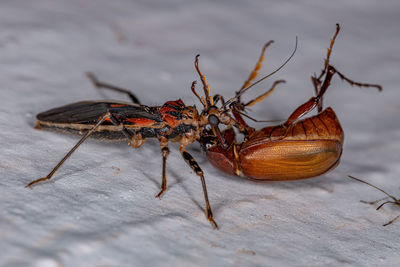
(143, 122)
(117, 105)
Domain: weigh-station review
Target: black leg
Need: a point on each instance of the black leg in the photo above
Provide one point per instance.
(196, 168)
(99, 84)
(164, 153)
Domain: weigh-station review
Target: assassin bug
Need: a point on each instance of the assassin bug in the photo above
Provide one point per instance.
(172, 121)
(296, 149)
(395, 201)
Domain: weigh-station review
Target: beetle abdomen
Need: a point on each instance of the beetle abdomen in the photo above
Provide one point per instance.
(306, 149)
(289, 159)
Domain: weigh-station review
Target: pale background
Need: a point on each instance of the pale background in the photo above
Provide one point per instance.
(101, 210)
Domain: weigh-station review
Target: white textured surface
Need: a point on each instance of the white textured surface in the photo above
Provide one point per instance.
(101, 210)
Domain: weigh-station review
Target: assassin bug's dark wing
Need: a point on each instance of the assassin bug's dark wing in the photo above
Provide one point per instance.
(79, 117)
(88, 112)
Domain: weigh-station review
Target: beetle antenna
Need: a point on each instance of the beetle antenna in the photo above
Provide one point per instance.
(227, 103)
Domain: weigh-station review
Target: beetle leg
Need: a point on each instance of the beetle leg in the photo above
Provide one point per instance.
(257, 67)
(99, 84)
(236, 165)
(392, 220)
(164, 153)
(314, 101)
(265, 95)
(373, 202)
(90, 132)
(196, 168)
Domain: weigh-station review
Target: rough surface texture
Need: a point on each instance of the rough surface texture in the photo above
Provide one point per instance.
(101, 209)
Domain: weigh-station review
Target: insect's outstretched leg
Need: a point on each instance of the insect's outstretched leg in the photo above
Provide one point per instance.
(90, 132)
(313, 102)
(99, 84)
(257, 67)
(373, 202)
(317, 80)
(164, 153)
(108, 116)
(265, 95)
(196, 168)
(392, 220)
(238, 107)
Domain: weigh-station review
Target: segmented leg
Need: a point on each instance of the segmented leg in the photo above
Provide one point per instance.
(99, 84)
(196, 168)
(164, 153)
(108, 116)
(392, 220)
(265, 95)
(257, 67)
(313, 102)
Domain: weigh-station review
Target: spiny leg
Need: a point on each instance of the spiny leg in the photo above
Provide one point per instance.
(317, 80)
(265, 95)
(99, 84)
(196, 168)
(313, 102)
(373, 202)
(209, 101)
(257, 67)
(164, 153)
(392, 220)
(238, 107)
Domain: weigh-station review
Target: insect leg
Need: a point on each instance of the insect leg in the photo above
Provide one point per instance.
(257, 67)
(91, 131)
(196, 168)
(265, 95)
(392, 220)
(164, 153)
(99, 84)
(314, 101)
(237, 108)
(373, 202)
(134, 140)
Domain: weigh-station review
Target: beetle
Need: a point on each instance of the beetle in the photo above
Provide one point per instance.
(394, 201)
(295, 149)
(115, 120)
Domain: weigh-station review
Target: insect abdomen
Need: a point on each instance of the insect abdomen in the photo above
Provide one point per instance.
(309, 148)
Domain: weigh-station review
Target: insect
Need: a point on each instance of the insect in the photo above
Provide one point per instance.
(173, 121)
(394, 200)
(295, 149)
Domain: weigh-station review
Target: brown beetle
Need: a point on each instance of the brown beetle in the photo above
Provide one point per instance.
(296, 149)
